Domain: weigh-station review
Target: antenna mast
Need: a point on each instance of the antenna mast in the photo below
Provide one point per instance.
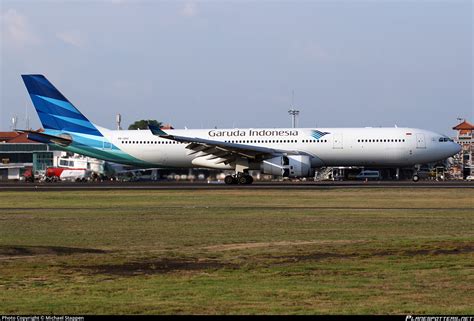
(27, 118)
(118, 120)
(14, 122)
(293, 112)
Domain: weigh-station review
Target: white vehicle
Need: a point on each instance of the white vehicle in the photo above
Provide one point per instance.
(368, 175)
(470, 178)
(287, 152)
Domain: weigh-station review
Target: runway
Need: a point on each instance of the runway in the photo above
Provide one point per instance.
(165, 185)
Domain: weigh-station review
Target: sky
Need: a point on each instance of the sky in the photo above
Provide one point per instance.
(238, 64)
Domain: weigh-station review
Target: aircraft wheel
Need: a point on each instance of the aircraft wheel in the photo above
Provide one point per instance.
(229, 180)
(249, 179)
(242, 179)
(416, 178)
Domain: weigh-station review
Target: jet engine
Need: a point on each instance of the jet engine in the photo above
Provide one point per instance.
(287, 166)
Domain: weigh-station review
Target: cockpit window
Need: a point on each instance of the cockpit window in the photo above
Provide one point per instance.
(445, 139)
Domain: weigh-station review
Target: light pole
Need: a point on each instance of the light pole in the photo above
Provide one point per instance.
(293, 113)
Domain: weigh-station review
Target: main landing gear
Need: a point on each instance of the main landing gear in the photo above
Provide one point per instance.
(240, 178)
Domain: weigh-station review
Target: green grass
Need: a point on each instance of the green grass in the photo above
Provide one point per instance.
(238, 251)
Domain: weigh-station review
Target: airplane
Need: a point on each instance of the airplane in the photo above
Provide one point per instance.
(285, 152)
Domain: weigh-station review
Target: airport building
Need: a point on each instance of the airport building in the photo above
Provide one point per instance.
(18, 154)
(464, 161)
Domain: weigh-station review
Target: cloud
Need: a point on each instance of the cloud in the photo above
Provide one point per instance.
(72, 37)
(310, 51)
(314, 51)
(16, 30)
(119, 1)
(190, 9)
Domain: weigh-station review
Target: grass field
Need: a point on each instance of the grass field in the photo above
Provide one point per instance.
(238, 251)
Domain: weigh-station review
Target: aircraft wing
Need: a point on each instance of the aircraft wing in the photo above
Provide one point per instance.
(228, 152)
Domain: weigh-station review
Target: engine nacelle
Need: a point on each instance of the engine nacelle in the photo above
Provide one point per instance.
(273, 166)
(288, 166)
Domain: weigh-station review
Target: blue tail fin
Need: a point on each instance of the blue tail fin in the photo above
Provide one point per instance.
(54, 110)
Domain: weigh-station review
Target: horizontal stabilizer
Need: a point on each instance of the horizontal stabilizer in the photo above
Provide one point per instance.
(46, 139)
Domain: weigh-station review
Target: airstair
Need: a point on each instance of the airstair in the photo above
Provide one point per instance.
(323, 174)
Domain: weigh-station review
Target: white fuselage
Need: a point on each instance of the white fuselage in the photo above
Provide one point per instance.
(371, 147)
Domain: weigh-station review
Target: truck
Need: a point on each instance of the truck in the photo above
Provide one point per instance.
(55, 174)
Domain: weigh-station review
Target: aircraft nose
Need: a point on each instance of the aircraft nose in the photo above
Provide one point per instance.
(456, 148)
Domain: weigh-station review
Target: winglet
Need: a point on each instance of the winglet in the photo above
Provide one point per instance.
(155, 130)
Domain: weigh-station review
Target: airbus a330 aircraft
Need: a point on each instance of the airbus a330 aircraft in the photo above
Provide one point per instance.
(287, 152)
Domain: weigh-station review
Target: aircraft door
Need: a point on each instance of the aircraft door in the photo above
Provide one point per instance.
(337, 141)
(420, 141)
(106, 145)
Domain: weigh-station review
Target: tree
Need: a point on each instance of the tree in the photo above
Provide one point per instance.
(143, 124)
